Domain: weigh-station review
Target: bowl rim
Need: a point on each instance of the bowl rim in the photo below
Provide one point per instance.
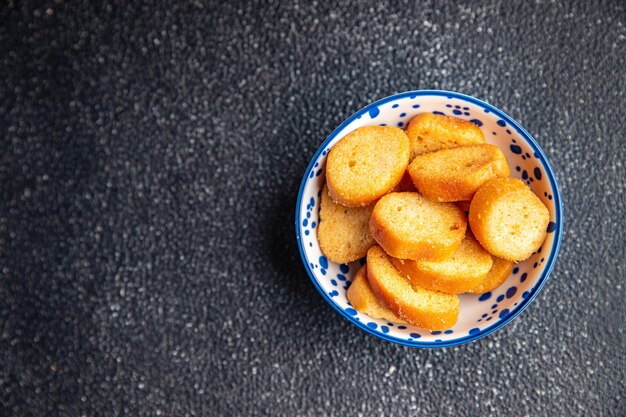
(549, 265)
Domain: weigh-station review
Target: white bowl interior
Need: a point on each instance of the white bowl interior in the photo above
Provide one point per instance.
(480, 314)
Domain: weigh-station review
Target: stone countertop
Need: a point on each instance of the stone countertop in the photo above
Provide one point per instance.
(151, 156)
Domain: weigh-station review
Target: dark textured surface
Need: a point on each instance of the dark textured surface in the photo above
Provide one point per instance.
(149, 168)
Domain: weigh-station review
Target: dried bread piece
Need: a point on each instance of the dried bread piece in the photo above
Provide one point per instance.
(364, 300)
(366, 164)
(455, 174)
(508, 219)
(419, 306)
(409, 226)
(343, 232)
(429, 132)
(462, 271)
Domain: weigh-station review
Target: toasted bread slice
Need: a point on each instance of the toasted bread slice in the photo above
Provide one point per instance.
(419, 306)
(343, 232)
(429, 132)
(455, 174)
(408, 226)
(498, 273)
(366, 164)
(364, 300)
(464, 270)
(508, 219)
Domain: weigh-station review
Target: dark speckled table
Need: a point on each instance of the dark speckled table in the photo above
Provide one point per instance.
(150, 157)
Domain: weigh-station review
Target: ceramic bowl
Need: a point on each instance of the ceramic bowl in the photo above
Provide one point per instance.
(480, 315)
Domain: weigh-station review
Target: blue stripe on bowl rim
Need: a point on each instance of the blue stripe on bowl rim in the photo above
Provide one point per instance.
(558, 219)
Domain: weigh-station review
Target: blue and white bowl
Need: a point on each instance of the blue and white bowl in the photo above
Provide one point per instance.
(480, 314)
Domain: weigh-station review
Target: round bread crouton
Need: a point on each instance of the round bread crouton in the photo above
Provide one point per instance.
(508, 219)
(409, 226)
(343, 232)
(429, 132)
(455, 174)
(366, 164)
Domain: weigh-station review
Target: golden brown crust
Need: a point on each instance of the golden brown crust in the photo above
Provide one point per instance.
(366, 164)
(498, 273)
(455, 174)
(429, 132)
(343, 232)
(408, 226)
(363, 299)
(463, 270)
(508, 219)
(421, 307)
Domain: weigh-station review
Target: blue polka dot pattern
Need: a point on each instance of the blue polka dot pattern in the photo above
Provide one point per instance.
(485, 296)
